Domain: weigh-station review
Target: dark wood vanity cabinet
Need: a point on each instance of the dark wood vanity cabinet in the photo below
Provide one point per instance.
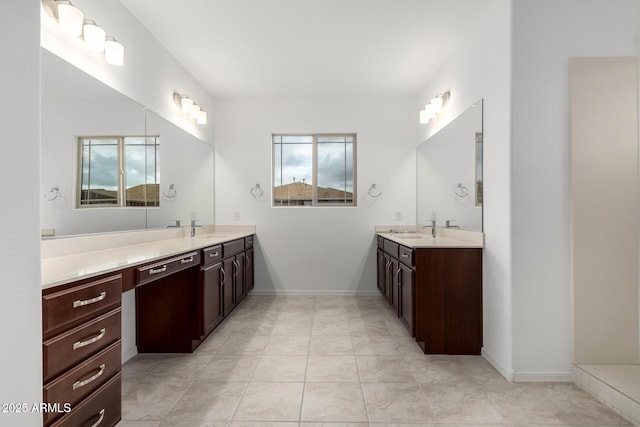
(81, 323)
(436, 293)
(212, 297)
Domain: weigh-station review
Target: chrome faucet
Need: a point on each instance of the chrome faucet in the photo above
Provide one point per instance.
(434, 230)
(193, 227)
(448, 222)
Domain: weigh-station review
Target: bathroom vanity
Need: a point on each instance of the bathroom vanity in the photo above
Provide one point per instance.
(184, 287)
(434, 285)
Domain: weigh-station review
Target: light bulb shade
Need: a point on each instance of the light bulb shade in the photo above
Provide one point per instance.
(437, 104)
(70, 18)
(195, 111)
(202, 117)
(113, 51)
(94, 36)
(423, 117)
(187, 104)
(429, 111)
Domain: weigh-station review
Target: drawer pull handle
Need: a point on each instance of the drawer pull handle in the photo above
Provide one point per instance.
(97, 423)
(158, 270)
(404, 255)
(80, 303)
(186, 260)
(80, 344)
(92, 378)
(214, 254)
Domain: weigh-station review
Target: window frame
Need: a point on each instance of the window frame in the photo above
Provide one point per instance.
(121, 172)
(314, 167)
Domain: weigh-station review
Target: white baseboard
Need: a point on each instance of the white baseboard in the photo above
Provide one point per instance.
(128, 353)
(506, 373)
(315, 292)
(543, 377)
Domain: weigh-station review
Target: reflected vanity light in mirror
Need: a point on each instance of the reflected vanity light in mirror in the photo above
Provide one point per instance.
(93, 36)
(188, 106)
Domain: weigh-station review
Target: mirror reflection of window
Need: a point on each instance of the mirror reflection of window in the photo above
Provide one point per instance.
(119, 171)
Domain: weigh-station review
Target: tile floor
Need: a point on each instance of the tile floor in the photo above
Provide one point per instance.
(291, 361)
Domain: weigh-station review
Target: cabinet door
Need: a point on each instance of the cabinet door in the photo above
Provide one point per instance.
(388, 277)
(212, 297)
(238, 277)
(395, 285)
(381, 272)
(406, 287)
(228, 299)
(249, 270)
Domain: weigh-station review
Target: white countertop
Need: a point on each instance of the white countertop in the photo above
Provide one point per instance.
(74, 266)
(445, 237)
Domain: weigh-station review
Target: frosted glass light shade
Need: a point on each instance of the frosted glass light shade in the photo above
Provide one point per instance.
(70, 18)
(202, 117)
(436, 104)
(94, 36)
(186, 104)
(429, 111)
(113, 51)
(423, 117)
(195, 111)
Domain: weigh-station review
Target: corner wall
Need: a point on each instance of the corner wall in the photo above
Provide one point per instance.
(546, 34)
(20, 289)
(480, 68)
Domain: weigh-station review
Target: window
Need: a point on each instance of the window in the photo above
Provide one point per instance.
(314, 170)
(119, 171)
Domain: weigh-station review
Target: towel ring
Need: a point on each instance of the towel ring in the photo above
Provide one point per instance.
(256, 191)
(172, 193)
(374, 192)
(53, 194)
(461, 190)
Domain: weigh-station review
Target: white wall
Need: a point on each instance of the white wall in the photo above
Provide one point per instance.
(20, 291)
(481, 68)
(149, 76)
(546, 34)
(316, 250)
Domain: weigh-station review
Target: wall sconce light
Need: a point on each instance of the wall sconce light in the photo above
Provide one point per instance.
(72, 22)
(434, 107)
(189, 107)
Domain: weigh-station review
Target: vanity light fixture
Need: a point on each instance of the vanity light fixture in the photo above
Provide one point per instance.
(189, 107)
(434, 107)
(71, 21)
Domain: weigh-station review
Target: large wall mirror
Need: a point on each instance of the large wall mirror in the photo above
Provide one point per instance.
(449, 172)
(109, 164)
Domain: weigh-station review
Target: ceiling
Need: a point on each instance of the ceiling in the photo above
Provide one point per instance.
(309, 47)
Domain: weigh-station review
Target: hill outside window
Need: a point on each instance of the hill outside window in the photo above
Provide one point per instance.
(314, 170)
(118, 171)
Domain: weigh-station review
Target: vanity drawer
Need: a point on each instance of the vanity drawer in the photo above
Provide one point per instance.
(80, 302)
(149, 273)
(102, 408)
(248, 242)
(211, 254)
(405, 255)
(65, 350)
(391, 248)
(82, 380)
(233, 247)
(380, 242)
